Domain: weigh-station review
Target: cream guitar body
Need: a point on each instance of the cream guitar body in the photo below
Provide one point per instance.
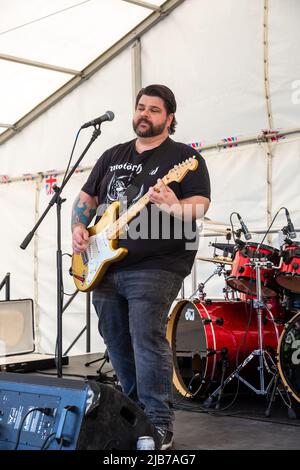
(89, 268)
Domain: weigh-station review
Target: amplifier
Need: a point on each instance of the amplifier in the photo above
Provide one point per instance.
(16, 327)
(39, 413)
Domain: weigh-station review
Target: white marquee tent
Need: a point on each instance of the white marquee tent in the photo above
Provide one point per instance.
(234, 67)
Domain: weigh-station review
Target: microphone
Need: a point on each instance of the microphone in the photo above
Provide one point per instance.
(108, 116)
(245, 231)
(290, 226)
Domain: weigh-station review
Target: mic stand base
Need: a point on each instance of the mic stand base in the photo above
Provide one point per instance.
(235, 374)
(87, 364)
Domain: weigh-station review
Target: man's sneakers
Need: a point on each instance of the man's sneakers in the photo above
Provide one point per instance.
(165, 438)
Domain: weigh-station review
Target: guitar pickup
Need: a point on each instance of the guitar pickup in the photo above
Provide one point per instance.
(84, 258)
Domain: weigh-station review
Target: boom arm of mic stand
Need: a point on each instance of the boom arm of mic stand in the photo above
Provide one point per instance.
(58, 191)
(56, 199)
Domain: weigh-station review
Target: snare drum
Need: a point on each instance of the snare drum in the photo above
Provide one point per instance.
(289, 271)
(204, 335)
(243, 277)
(289, 356)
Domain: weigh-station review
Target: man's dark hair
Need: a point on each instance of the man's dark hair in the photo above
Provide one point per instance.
(166, 95)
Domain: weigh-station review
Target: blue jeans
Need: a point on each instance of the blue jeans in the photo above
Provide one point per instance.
(132, 307)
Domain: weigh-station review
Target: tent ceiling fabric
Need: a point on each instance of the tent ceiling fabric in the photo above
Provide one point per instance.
(62, 33)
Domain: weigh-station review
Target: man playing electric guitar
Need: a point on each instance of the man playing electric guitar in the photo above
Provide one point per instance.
(133, 297)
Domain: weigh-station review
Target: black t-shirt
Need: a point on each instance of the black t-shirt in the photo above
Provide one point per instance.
(172, 245)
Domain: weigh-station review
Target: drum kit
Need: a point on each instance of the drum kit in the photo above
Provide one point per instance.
(253, 335)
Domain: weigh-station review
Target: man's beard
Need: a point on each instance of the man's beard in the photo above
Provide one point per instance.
(151, 131)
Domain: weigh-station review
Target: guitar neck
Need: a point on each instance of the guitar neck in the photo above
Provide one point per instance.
(116, 229)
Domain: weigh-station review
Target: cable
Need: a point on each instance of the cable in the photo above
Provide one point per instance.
(46, 411)
(71, 156)
(47, 443)
(231, 223)
(237, 414)
(269, 228)
(70, 256)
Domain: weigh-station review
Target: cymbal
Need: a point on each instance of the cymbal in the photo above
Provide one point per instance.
(208, 221)
(217, 259)
(229, 247)
(218, 230)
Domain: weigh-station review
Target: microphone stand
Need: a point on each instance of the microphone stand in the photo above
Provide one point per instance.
(58, 200)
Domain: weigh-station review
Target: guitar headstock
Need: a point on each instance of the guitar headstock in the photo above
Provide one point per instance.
(179, 171)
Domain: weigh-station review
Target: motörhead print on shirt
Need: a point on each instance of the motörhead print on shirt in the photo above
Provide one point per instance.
(116, 170)
(117, 186)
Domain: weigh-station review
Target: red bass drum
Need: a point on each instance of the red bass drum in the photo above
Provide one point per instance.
(202, 335)
(289, 356)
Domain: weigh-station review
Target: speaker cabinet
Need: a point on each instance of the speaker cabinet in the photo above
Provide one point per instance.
(39, 413)
(16, 327)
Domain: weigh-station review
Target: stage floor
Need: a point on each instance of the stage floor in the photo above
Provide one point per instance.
(241, 426)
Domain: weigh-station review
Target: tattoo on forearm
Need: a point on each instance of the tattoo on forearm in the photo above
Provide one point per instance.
(82, 213)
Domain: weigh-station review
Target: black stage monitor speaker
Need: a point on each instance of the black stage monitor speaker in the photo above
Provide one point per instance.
(39, 413)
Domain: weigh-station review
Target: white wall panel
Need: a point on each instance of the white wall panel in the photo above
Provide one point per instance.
(284, 67)
(286, 179)
(17, 202)
(211, 54)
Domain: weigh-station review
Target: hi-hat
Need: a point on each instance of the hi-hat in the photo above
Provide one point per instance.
(217, 259)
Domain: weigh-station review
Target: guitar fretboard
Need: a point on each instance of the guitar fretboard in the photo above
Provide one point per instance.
(176, 174)
(119, 225)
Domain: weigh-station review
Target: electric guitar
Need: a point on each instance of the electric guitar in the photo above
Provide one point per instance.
(89, 267)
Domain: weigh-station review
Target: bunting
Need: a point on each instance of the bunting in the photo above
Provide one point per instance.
(4, 179)
(50, 180)
(230, 142)
(197, 145)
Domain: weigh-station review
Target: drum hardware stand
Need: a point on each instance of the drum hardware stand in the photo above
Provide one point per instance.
(102, 377)
(229, 293)
(219, 270)
(225, 365)
(260, 352)
(275, 387)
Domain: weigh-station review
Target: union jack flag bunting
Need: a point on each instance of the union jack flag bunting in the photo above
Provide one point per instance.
(273, 134)
(50, 180)
(232, 142)
(27, 176)
(197, 145)
(4, 179)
